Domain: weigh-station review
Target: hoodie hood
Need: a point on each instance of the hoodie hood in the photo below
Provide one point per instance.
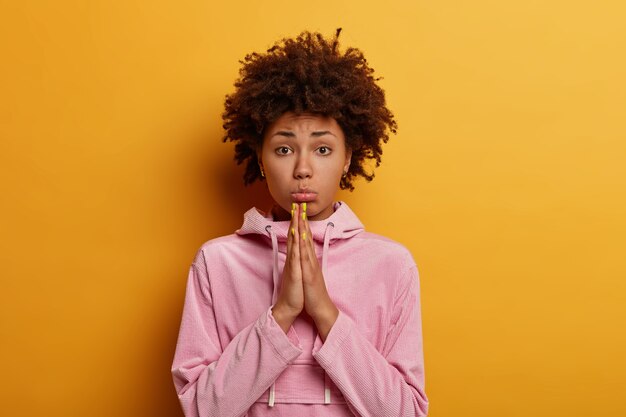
(342, 224)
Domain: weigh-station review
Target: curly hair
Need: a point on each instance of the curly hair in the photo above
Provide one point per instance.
(308, 74)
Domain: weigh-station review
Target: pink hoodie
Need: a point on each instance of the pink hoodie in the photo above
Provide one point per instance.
(232, 358)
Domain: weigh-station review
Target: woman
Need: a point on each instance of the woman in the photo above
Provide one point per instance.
(267, 328)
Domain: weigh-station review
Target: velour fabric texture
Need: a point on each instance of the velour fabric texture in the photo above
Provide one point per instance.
(232, 358)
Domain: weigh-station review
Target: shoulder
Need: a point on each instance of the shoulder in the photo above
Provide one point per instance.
(387, 247)
(215, 248)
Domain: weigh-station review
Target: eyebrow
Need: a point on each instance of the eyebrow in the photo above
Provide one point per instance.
(315, 134)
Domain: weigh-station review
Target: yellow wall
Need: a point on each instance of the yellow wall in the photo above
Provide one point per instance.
(506, 180)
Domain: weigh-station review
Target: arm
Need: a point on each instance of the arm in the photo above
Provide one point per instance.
(210, 381)
(387, 383)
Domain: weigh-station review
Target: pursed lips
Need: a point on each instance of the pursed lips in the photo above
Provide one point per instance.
(302, 196)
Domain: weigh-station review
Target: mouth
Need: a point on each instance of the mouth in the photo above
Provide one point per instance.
(304, 196)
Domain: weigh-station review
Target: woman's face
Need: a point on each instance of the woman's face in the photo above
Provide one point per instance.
(303, 157)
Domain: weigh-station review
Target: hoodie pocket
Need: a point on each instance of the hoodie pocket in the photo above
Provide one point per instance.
(303, 383)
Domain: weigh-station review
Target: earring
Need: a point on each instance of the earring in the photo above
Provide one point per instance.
(345, 173)
(262, 173)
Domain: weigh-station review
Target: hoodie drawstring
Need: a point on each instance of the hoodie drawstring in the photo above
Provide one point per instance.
(324, 259)
(275, 267)
(326, 242)
(268, 228)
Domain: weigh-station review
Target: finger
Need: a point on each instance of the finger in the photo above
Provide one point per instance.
(302, 221)
(294, 232)
(291, 232)
(307, 252)
(310, 265)
(308, 242)
(302, 231)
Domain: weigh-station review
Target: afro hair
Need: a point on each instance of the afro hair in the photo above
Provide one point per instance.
(308, 74)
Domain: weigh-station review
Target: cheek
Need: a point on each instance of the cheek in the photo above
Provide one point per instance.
(331, 177)
(277, 172)
(332, 168)
(277, 182)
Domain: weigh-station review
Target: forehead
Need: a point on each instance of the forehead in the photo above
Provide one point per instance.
(304, 122)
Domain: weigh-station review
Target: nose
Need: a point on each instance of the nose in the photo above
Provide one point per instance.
(303, 168)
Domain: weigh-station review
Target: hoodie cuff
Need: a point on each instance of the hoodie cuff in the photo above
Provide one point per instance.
(287, 345)
(324, 352)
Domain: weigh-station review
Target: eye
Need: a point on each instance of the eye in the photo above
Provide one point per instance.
(283, 150)
(324, 150)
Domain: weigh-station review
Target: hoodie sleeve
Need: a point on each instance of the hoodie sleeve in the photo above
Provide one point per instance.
(387, 383)
(212, 380)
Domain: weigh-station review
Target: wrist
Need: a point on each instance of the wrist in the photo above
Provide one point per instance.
(325, 320)
(283, 316)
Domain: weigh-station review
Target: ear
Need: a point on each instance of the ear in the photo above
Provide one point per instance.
(348, 160)
(258, 156)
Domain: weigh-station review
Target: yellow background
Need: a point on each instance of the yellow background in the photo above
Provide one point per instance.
(506, 180)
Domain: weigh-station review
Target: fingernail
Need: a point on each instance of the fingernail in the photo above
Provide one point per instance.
(303, 215)
(303, 235)
(293, 232)
(293, 206)
(304, 207)
(292, 213)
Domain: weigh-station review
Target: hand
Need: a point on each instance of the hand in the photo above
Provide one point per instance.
(317, 302)
(303, 286)
(290, 301)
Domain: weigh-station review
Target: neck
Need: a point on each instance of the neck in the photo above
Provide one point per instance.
(279, 214)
